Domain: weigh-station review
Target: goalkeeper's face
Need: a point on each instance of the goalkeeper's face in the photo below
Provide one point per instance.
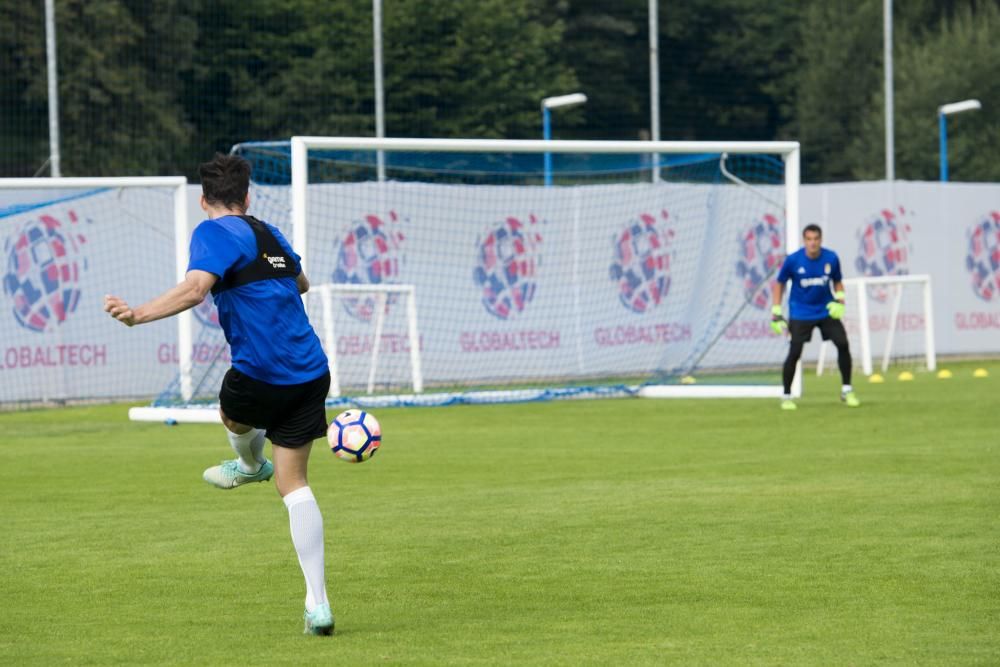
(812, 241)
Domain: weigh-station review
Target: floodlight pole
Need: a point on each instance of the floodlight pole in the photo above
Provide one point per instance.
(890, 129)
(554, 103)
(53, 82)
(379, 86)
(654, 83)
(547, 136)
(944, 111)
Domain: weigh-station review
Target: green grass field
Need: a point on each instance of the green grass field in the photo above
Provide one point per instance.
(593, 532)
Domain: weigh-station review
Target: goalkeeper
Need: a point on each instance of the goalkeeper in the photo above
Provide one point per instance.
(812, 269)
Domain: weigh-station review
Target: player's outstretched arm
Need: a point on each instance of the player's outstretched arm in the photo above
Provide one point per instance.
(186, 294)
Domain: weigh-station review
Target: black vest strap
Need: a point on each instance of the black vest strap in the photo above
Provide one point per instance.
(270, 263)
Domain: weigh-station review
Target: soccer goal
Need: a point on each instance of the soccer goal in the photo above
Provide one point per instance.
(371, 329)
(359, 325)
(890, 324)
(67, 242)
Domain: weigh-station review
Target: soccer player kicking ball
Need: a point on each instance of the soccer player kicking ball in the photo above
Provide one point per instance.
(279, 378)
(813, 270)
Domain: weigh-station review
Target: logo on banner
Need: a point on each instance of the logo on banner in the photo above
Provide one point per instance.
(983, 257)
(643, 255)
(44, 266)
(508, 256)
(761, 253)
(207, 313)
(369, 253)
(884, 248)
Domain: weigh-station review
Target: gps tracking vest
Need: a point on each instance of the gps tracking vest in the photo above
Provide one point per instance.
(270, 262)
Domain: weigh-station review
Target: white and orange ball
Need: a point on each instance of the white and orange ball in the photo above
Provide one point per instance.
(354, 436)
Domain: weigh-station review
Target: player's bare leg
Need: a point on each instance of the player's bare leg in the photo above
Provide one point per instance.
(306, 523)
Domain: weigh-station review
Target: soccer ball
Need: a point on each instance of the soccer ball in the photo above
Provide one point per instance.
(354, 436)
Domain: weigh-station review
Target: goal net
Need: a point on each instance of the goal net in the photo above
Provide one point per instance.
(66, 243)
(890, 325)
(644, 269)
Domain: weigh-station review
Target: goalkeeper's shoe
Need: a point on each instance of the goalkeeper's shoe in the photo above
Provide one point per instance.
(319, 621)
(229, 476)
(788, 404)
(850, 398)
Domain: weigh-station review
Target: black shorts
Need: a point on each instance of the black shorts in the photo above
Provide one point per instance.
(294, 415)
(829, 328)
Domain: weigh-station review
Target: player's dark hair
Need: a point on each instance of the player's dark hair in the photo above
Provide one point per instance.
(225, 180)
(812, 228)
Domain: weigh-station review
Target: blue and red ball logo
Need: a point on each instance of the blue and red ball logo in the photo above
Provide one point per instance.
(44, 267)
(508, 256)
(983, 256)
(370, 253)
(762, 250)
(643, 256)
(884, 248)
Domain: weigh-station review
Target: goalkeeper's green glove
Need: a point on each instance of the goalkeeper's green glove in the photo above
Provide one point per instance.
(836, 308)
(778, 324)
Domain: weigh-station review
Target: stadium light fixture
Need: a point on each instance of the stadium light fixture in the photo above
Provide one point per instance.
(548, 104)
(944, 111)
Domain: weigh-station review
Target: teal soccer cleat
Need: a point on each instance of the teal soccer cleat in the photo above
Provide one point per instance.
(319, 621)
(228, 475)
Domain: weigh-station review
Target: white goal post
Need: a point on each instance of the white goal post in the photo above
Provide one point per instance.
(860, 315)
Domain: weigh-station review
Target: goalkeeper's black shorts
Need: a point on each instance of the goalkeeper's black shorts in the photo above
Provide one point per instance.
(829, 328)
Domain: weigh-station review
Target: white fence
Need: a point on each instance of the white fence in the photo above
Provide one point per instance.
(949, 231)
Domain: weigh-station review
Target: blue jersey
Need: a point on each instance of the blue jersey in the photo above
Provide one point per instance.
(264, 321)
(812, 283)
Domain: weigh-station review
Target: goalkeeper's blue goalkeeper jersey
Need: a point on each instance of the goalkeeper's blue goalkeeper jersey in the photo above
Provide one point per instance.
(264, 321)
(812, 283)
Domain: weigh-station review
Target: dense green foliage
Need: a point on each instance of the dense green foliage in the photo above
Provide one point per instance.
(153, 87)
(616, 532)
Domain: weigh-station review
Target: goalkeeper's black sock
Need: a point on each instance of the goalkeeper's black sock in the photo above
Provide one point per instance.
(788, 374)
(844, 362)
(788, 371)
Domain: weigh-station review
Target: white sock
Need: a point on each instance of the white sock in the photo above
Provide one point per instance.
(846, 388)
(786, 397)
(249, 448)
(307, 535)
(257, 446)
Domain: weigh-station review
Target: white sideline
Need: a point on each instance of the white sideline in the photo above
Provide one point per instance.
(711, 391)
(179, 415)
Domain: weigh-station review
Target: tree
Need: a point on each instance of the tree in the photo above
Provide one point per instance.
(119, 111)
(471, 68)
(955, 60)
(836, 83)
